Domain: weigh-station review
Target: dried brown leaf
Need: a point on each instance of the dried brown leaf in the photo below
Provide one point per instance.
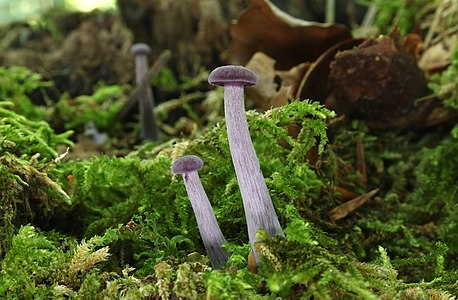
(274, 88)
(348, 207)
(288, 40)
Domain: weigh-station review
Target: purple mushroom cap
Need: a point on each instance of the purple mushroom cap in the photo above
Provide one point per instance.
(140, 48)
(232, 75)
(186, 164)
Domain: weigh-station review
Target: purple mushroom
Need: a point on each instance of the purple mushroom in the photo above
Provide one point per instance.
(146, 103)
(210, 232)
(259, 209)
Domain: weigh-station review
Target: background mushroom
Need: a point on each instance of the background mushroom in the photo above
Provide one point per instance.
(146, 103)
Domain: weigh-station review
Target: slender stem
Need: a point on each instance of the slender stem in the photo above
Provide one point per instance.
(211, 234)
(259, 210)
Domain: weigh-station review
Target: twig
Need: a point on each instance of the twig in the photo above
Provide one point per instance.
(432, 27)
(369, 17)
(140, 88)
(166, 107)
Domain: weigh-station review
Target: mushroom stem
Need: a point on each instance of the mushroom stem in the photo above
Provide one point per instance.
(146, 103)
(259, 210)
(211, 234)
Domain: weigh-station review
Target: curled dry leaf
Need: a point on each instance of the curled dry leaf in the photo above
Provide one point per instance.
(288, 40)
(314, 84)
(274, 88)
(438, 57)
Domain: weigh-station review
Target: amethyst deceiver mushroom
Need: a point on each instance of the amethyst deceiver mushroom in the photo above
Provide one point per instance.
(146, 103)
(259, 210)
(211, 234)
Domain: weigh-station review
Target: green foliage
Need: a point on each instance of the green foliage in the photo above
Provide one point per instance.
(137, 208)
(27, 138)
(16, 83)
(32, 260)
(25, 187)
(168, 82)
(445, 84)
(398, 13)
(52, 266)
(392, 219)
(436, 177)
(112, 191)
(228, 285)
(101, 108)
(26, 147)
(437, 190)
(306, 265)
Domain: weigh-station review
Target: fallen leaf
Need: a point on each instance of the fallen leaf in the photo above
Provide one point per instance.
(437, 57)
(288, 40)
(314, 84)
(274, 88)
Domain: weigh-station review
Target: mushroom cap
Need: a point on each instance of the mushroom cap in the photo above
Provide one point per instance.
(232, 75)
(140, 48)
(187, 164)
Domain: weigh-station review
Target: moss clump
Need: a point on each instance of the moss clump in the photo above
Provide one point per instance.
(127, 228)
(16, 85)
(444, 85)
(405, 15)
(50, 265)
(100, 108)
(27, 193)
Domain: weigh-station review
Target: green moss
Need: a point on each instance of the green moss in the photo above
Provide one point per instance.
(16, 85)
(50, 265)
(33, 266)
(27, 138)
(405, 15)
(135, 214)
(100, 108)
(444, 85)
(27, 193)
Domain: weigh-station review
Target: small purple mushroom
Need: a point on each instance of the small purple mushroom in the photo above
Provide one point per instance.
(146, 103)
(259, 209)
(211, 234)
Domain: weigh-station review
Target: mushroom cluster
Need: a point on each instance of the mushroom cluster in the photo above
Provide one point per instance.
(259, 210)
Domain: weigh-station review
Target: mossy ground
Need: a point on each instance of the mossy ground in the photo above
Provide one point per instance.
(112, 222)
(122, 227)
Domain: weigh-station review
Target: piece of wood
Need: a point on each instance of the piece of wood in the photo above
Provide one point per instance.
(160, 62)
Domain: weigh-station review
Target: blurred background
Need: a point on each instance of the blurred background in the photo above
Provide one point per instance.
(17, 10)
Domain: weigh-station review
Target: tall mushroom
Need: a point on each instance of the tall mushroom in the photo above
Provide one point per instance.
(258, 206)
(146, 103)
(211, 234)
